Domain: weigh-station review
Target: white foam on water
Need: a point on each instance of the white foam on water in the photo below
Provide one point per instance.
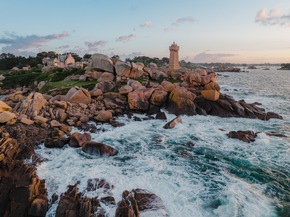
(194, 168)
(158, 160)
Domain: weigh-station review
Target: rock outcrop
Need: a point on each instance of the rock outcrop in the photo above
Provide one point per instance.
(140, 202)
(22, 192)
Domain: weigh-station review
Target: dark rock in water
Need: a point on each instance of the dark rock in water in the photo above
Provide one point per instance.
(22, 192)
(226, 106)
(161, 116)
(200, 111)
(245, 136)
(137, 119)
(109, 200)
(38, 207)
(55, 143)
(139, 201)
(72, 204)
(172, 123)
(275, 134)
(99, 149)
(94, 184)
(78, 139)
(273, 115)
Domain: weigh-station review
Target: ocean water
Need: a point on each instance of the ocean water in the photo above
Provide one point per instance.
(194, 168)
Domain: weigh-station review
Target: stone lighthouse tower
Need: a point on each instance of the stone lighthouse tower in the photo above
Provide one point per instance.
(174, 59)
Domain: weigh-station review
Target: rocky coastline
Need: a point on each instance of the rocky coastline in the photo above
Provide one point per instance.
(29, 118)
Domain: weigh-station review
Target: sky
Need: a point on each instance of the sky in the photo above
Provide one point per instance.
(236, 31)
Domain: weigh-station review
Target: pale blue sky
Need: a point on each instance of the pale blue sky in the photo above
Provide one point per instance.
(209, 30)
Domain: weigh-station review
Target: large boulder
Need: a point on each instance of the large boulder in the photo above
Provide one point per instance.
(6, 116)
(106, 76)
(122, 69)
(4, 107)
(104, 116)
(180, 102)
(101, 62)
(99, 149)
(158, 98)
(136, 70)
(32, 105)
(139, 99)
(158, 75)
(211, 95)
(167, 86)
(78, 139)
(212, 86)
(78, 95)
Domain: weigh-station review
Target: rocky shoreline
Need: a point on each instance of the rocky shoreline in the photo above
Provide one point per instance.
(28, 118)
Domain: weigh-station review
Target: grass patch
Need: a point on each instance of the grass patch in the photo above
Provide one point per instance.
(65, 85)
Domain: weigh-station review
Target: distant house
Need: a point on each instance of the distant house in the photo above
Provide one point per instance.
(62, 61)
(65, 60)
(50, 61)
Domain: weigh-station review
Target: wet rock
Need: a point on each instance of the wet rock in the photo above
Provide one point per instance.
(55, 142)
(245, 136)
(140, 202)
(171, 124)
(78, 139)
(39, 207)
(21, 190)
(99, 149)
(74, 204)
(161, 116)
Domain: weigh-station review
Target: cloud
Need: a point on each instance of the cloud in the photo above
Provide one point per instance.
(178, 22)
(129, 55)
(90, 47)
(169, 29)
(20, 45)
(274, 17)
(147, 24)
(126, 38)
(211, 57)
(63, 47)
(95, 45)
(183, 20)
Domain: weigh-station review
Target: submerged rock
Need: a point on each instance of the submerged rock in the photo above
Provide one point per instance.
(171, 124)
(245, 136)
